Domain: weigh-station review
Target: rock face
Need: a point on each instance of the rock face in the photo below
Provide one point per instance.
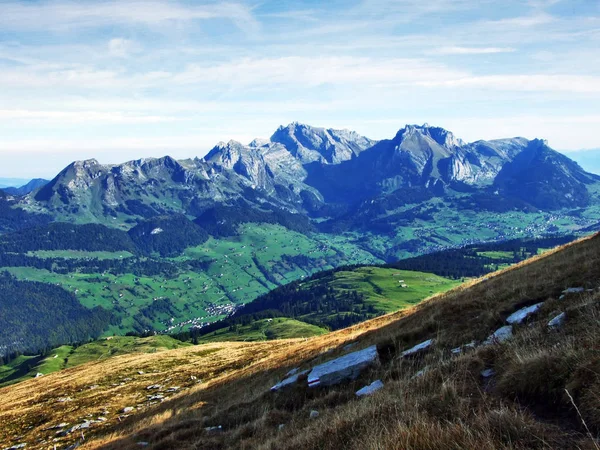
(309, 144)
(347, 367)
(523, 313)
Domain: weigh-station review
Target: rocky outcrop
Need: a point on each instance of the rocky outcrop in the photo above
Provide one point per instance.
(347, 367)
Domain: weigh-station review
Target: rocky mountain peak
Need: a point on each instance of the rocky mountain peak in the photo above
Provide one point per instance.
(329, 146)
(440, 135)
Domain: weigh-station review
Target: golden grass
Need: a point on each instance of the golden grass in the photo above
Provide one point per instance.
(524, 406)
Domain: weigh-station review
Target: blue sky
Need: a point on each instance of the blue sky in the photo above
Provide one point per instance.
(124, 79)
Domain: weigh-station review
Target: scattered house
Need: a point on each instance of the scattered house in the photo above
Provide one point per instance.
(347, 367)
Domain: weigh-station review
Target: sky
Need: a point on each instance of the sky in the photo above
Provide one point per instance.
(118, 80)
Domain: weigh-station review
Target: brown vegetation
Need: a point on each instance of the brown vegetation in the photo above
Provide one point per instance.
(541, 377)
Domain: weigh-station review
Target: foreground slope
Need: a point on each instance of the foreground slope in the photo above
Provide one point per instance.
(524, 405)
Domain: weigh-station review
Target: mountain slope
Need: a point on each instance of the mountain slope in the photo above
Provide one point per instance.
(545, 178)
(31, 186)
(522, 400)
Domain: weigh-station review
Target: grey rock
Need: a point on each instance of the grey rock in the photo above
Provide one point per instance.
(154, 386)
(523, 313)
(347, 367)
(458, 350)
(214, 429)
(500, 335)
(487, 373)
(314, 414)
(156, 397)
(423, 346)
(143, 444)
(292, 372)
(17, 446)
(288, 381)
(370, 389)
(173, 389)
(60, 425)
(557, 321)
(127, 409)
(574, 290)
(281, 427)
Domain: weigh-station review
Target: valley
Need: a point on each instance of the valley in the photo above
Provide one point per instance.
(158, 245)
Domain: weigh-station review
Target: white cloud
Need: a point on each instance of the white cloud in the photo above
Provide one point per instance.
(115, 117)
(473, 50)
(121, 48)
(580, 84)
(64, 15)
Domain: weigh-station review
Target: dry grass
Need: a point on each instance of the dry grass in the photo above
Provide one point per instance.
(451, 406)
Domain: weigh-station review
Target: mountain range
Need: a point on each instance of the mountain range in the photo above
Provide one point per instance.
(163, 245)
(319, 173)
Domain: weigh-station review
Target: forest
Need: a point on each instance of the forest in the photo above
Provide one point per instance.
(41, 316)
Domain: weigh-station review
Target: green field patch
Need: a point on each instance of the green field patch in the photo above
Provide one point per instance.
(265, 329)
(389, 290)
(78, 254)
(497, 255)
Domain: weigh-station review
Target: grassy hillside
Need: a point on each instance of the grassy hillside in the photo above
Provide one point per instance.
(265, 329)
(338, 298)
(523, 405)
(25, 367)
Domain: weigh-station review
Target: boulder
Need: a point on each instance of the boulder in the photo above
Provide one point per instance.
(314, 414)
(487, 373)
(347, 367)
(127, 409)
(462, 348)
(500, 335)
(420, 373)
(523, 313)
(557, 321)
(370, 389)
(419, 348)
(293, 371)
(289, 380)
(573, 290)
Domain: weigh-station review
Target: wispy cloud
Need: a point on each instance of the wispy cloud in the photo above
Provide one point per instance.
(472, 50)
(64, 15)
(185, 74)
